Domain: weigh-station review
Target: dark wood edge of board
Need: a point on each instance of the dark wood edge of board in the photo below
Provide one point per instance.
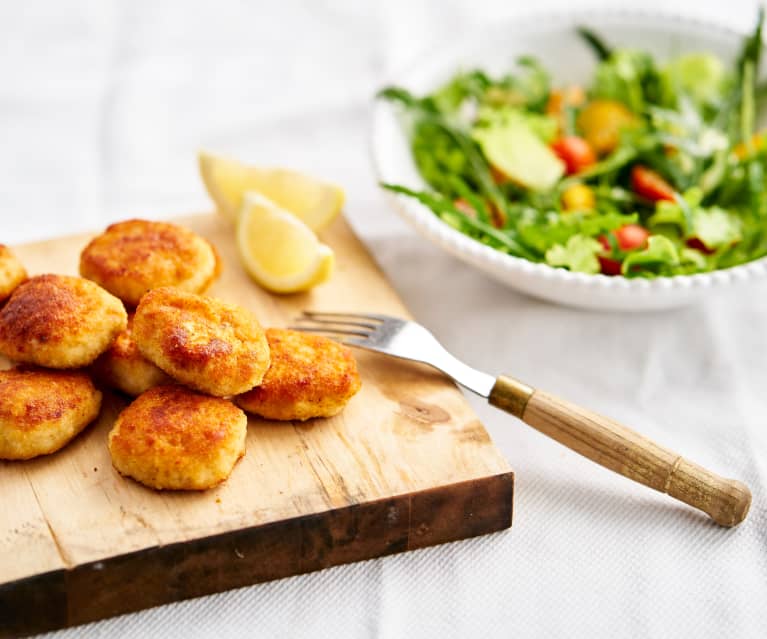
(163, 574)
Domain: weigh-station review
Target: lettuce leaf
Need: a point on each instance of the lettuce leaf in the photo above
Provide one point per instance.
(714, 226)
(701, 76)
(579, 254)
(659, 258)
(542, 231)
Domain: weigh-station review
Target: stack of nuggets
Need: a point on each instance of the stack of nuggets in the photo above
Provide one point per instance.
(181, 354)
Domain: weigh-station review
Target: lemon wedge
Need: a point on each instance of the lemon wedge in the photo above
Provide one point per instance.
(314, 202)
(278, 250)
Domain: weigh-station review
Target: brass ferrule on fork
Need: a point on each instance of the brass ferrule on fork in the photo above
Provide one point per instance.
(511, 395)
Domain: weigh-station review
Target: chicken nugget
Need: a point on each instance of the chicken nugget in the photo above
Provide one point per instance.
(59, 321)
(173, 438)
(207, 344)
(135, 256)
(125, 369)
(310, 376)
(42, 410)
(12, 273)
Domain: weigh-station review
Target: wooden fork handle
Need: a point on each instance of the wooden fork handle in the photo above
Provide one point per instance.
(624, 451)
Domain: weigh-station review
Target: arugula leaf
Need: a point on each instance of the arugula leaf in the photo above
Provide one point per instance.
(398, 94)
(747, 105)
(534, 83)
(628, 76)
(448, 212)
(751, 50)
(579, 254)
(475, 169)
(612, 163)
(476, 202)
(451, 96)
(598, 46)
(438, 157)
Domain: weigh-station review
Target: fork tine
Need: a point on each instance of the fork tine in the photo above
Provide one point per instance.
(354, 316)
(328, 331)
(338, 322)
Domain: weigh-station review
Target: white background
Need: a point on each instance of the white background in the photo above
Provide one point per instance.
(103, 105)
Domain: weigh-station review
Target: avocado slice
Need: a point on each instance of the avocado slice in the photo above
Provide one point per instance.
(517, 152)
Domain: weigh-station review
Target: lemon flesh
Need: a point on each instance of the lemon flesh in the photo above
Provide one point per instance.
(313, 201)
(278, 250)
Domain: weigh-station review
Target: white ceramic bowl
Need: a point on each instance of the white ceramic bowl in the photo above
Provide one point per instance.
(552, 39)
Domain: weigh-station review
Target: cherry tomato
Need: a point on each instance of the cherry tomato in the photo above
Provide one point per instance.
(464, 207)
(609, 266)
(601, 123)
(629, 237)
(697, 243)
(575, 152)
(559, 99)
(650, 185)
(578, 197)
(743, 150)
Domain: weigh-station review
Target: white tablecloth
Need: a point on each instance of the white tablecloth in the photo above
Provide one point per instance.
(102, 107)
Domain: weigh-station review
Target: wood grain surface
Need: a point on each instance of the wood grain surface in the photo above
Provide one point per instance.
(406, 465)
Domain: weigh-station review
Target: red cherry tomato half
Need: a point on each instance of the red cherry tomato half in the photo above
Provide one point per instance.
(650, 185)
(609, 266)
(575, 152)
(628, 237)
(697, 243)
(631, 236)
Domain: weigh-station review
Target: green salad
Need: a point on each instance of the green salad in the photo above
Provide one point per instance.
(653, 169)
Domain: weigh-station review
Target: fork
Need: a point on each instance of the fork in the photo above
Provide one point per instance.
(598, 438)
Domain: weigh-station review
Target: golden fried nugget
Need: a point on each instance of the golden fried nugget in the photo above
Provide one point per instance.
(207, 344)
(135, 256)
(42, 410)
(124, 368)
(59, 321)
(310, 376)
(12, 273)
(171, 437)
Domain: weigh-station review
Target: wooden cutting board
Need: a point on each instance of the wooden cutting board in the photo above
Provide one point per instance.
(406, 465)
